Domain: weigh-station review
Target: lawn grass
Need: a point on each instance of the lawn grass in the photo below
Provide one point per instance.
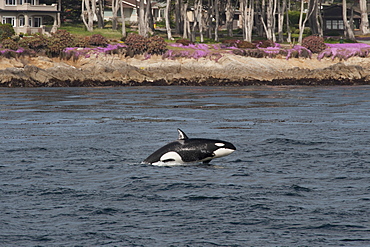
(79, 29)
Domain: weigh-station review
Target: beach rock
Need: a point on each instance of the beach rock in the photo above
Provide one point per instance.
(113, 70)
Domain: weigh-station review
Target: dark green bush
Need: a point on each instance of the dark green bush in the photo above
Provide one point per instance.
(136, 44)
(184, 42)
(58, 41)
(229, 42)
(6, 31)
(264, 43)
(156, 45)
(98, 40)
(81, 41)
(245, 44)
(314, 43)
(36, 43)
(9, 44)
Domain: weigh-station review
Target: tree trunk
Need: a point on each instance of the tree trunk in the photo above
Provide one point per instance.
(348, 30)
(100, 13)
(167, 19)
(178, 17)
(302, 22)
(313, 17)
(115, 7)
(149, 17)
(186, 32)
(229, 18)
(124, 34)
(200, 19)
(59, 22)
(88, 13)
(209, 19)
(364, 26)
(143, 31)
(247, 11)
(195, 22)
(269, 25)
(281, 9)
(289, 38)
(217, 14)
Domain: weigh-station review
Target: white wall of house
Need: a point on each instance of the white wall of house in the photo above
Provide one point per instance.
(26, 16)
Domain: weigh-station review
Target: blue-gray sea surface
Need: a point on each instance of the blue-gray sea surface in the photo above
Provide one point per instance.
(71, 172)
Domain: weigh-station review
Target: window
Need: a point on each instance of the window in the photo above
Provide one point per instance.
(9, 20)
(37, 21)
(21, 21)
(334, 24)
(10, 2)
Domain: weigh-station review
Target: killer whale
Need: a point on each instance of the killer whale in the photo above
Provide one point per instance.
(189, 150)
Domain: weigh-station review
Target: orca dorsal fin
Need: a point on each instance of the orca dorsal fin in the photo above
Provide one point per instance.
(182, 135)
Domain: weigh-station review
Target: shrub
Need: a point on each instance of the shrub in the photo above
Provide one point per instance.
(81, 41)
(245, 44)
(239, 52)
(6, 31)
(314, 43)
(58, 41)
(156, 45)
(184, 42)
(136, 44)
(9, 44)
(230, 42)
(264, 43)
(98, 40)
(36, 43)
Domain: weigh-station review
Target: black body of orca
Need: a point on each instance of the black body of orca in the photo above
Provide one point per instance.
(190, 150)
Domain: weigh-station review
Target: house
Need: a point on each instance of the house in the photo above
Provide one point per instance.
(29, 16)
(333, 19)
(131, 9)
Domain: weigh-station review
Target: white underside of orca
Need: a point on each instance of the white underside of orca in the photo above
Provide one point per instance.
(171, 157)
(221, 152)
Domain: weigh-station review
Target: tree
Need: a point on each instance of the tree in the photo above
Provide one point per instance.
(302, 22)
(314, 20)
(229, 15)
(87, 12)
(115, 7)
(178, 17)
(364, 26)
(100, 13)
(348, 30)
(247, 13)
(149, 17)
(124, 34)
(217, 14)
(70, 10)
(167, 19)
(143, 29)
(281, 6)
(269, 24)
(198, 20)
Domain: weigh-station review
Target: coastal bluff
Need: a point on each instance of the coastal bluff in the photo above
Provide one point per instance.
(229, 70)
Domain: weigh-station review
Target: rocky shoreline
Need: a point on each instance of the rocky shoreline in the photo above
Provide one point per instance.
(230, 70)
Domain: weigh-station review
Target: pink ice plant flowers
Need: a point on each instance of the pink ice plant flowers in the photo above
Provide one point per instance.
(344, 51)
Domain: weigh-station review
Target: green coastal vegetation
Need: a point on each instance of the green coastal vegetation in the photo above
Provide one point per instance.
(74, 41)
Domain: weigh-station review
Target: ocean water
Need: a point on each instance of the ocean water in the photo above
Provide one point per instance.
(71, 172)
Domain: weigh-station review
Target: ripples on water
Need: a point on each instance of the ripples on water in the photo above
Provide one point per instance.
(70, 171)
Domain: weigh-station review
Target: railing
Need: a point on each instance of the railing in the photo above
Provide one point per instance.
(29, 7)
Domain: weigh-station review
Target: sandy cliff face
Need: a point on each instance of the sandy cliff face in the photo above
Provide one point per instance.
(111, 70)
